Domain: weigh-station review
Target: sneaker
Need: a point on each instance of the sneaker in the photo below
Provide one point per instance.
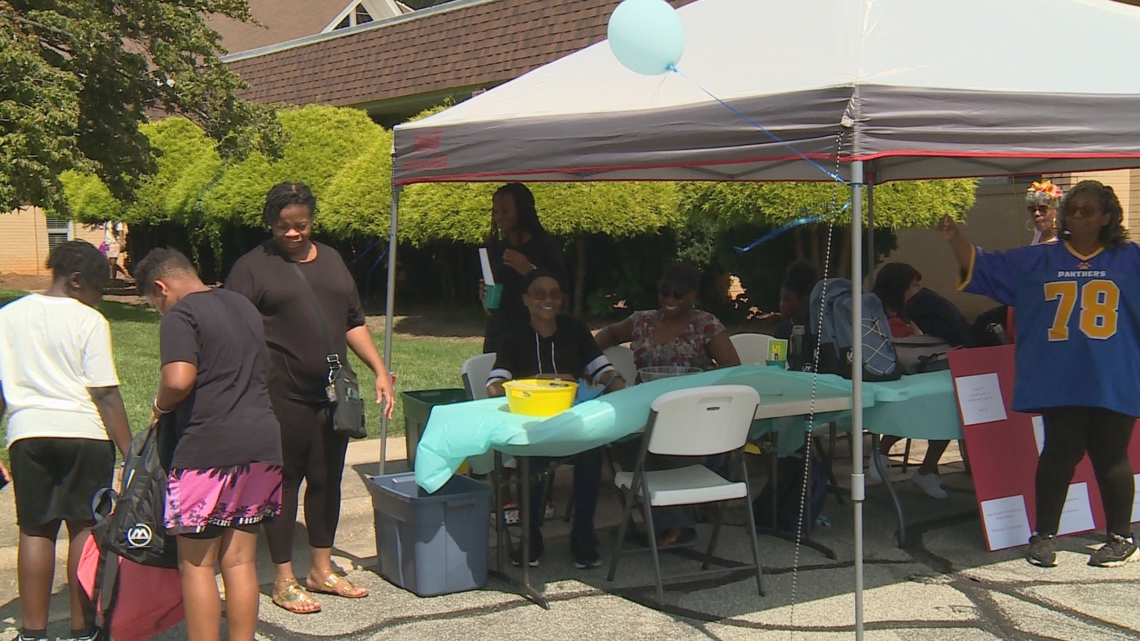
(873, 472)
(584, 549)
(931, 484)
(511, 513)
(536, 549)
(95, 635)
(1042, 551)
(1116, 552)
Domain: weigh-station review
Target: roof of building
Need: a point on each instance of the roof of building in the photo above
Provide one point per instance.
(460, 44)
(281, 21)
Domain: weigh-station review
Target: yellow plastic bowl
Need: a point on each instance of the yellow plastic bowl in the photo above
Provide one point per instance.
(538, 397)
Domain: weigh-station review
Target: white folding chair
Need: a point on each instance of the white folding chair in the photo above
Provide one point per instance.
(723, 414)
(752, 348)
(475, 371)
(621, 358)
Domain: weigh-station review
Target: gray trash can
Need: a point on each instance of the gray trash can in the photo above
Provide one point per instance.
(417, 410)
(431, 544)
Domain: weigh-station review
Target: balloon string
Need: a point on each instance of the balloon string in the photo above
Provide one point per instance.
(806, 220)
(752, 122)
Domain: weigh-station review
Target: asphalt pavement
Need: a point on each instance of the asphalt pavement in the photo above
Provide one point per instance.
(943, 585)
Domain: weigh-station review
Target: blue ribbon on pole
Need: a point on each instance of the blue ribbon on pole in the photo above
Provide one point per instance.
(806, 220)
(757, 125)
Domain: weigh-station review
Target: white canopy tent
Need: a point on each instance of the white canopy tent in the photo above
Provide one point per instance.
(885, 89)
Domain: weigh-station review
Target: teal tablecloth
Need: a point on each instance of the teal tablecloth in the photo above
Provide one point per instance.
(922, 406)
(462, 430)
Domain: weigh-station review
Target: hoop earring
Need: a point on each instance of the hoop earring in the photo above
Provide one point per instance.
(1030, 225)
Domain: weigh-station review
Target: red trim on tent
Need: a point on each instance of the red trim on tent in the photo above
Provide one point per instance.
(492, 175)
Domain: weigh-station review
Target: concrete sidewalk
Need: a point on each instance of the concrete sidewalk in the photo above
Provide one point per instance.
(944, 585)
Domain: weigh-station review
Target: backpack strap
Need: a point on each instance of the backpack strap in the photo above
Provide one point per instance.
(106, 590)
(333, 358)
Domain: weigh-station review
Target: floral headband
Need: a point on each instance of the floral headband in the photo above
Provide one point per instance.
(1043, 193)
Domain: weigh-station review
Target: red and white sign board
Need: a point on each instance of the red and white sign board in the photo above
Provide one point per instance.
(1004, 446)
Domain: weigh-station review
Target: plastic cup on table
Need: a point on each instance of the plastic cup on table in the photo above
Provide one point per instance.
(493, 296)
(777, 353)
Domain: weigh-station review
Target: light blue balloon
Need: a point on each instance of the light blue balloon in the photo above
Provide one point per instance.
(646, 36)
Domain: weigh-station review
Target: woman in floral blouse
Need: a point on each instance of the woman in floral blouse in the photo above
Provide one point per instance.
(676, 334)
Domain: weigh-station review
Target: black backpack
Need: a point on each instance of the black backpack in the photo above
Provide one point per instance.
(790, 485)
(131, 524)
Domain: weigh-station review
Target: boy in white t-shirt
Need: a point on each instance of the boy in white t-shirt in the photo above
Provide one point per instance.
(65, 418)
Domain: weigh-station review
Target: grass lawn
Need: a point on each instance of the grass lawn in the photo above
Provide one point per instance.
(419, 363)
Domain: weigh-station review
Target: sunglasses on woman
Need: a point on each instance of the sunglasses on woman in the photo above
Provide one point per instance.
(669, 290)
(1044, 209)
(1087, 211)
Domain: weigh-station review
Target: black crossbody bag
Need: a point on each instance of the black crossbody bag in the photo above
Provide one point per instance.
(342, 387)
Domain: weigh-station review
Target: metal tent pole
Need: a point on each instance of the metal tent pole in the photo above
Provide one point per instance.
(389, 314)
(857, 489)
(871, 226)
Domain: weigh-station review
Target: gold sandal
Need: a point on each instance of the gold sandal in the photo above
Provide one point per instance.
(295, 599)
(349, 591)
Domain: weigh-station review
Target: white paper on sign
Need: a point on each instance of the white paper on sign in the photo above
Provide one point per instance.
(1039, 433)
(1136, 500)
(1077, 515)
(1007, 524)
(485, 262)
(980, 399)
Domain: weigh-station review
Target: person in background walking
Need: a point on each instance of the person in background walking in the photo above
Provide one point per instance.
(1078, 328)
(298, 375)
(65, 418)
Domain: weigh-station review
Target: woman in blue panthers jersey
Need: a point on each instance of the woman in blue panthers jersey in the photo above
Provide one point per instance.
(1078, 312)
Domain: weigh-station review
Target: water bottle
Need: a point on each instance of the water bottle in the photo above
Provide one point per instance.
(998, 332)
(796, 349)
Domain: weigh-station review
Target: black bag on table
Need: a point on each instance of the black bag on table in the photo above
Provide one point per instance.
(921, 354)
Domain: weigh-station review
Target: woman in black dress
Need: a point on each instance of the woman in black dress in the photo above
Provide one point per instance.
(298, 374)
(518, 246)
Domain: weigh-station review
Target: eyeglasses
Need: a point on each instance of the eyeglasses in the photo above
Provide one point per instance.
(666, 290)
(1044, 209)
(1088, 211)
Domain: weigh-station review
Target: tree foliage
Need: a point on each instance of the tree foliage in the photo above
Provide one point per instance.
(359, 198)
(898, 205)
(324, 143)
(170, 193)
(89, 199)
(462, 212)
(78, 77)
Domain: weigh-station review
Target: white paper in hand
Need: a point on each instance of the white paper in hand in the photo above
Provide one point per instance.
(485, 261)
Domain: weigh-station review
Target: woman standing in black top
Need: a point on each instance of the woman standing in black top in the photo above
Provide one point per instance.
(298, 375)
(518, 246)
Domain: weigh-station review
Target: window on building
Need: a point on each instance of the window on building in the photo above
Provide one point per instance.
(59, 232)
(357, 16)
